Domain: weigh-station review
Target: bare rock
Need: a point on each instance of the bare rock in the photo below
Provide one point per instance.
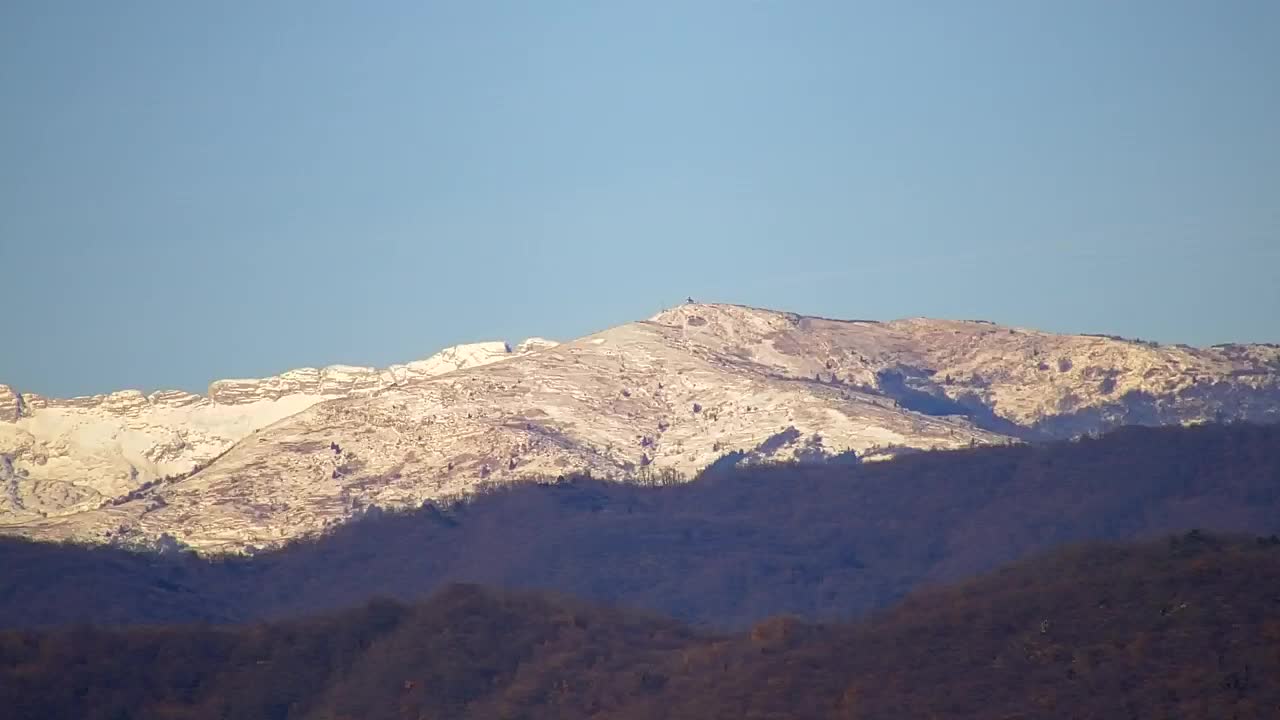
(11, 405)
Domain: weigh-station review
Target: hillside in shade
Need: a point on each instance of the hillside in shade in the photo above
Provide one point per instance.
(1185, 627)
(819, 541)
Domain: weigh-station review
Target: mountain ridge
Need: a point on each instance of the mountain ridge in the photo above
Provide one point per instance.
(113, 443)
(674, 393)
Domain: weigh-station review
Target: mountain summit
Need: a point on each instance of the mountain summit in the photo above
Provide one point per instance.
(259, 462)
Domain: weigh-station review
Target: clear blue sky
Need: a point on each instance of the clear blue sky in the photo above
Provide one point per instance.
(193, 190)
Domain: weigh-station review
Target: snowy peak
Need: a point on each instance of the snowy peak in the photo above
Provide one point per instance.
(1059, 384)
(346, 380)
(290, 455)
(329, 381)
(71, 454)
(458, 357)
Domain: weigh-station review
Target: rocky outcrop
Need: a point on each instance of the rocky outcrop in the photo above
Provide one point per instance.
(173, 398)
(334, 380)
(11, 405)
(672, 394)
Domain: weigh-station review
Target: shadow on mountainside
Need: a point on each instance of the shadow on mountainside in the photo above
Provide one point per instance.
(732, 547)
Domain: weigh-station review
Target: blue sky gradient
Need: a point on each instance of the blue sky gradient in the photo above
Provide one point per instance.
(192, 190)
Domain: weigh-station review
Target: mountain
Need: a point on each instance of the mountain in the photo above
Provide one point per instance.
(1184, 627)
(671, 394)
(60, 456)
(734, 546)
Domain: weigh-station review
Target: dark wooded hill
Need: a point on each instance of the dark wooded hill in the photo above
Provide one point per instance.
(1188, 627)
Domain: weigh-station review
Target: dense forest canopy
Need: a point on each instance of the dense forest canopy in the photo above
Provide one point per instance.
(1187, 627)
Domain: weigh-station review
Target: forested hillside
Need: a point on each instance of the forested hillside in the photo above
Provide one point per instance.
(1186, 627)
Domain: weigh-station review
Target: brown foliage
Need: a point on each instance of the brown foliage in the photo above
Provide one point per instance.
(1183, 628)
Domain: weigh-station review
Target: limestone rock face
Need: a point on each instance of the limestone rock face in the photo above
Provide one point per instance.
(74, 454)
(1025, 382)
(673, 393)
(11, 405)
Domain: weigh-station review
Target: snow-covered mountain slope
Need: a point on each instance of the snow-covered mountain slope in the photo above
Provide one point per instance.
(677, 392)
(60, 456)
